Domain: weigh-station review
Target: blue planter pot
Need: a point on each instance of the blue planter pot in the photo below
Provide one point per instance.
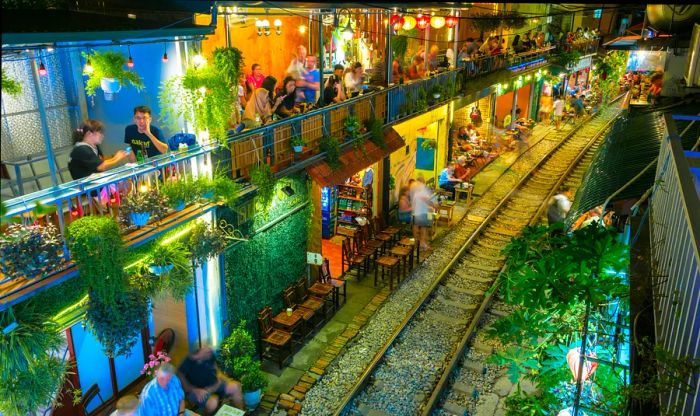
(252, 399)
(298, 149)
(350, 129)
(159, 270)
(208, 195)
(139, 219)
(180, 206)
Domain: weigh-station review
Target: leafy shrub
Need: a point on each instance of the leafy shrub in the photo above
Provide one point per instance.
(29, 250)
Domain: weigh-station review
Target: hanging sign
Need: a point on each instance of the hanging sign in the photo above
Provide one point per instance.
(314, 258)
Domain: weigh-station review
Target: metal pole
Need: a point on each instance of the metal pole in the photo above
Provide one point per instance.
(227, 29)
(320, 55)
(582, 359)
(455, 49)
(389, 55)
(425, 53)
(44, 120)
(514, 106)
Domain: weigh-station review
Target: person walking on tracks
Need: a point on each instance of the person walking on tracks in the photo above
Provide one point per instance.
(559, 206)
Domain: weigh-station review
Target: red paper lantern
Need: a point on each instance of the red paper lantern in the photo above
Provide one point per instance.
(451, 21)
(396, 22)
(422, 22)
(573, 358)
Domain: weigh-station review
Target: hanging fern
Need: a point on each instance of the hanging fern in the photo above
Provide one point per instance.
(10, 86)
(262, 177)
(109, 64)
(331, 147)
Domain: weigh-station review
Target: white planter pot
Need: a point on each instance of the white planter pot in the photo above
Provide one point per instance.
(110, 86)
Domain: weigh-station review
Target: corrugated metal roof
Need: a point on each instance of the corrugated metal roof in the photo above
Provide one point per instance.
(632, 143)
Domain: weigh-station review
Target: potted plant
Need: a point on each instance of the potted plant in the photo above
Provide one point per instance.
(138, 207)
(171, 263)
(252, 383)
(108, 73)
(150, 368)
(29, 250)
(376, 129)
(226, 189)
(179, 191)
(429, 144)
(331, 147)
(436, 91)
(204, 241)
(236, 351)
(117, 322)
(297, 143)
(352, 125)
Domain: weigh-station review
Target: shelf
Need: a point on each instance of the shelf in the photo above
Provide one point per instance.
(352, 186)
(349, 210)
(346, 222)
(352, 198)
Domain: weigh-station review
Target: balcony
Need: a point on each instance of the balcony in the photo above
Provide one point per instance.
(103, 194)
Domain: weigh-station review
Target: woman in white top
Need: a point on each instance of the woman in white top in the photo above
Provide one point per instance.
(353, 80)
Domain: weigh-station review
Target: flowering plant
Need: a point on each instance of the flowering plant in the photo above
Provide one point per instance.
(154, 362)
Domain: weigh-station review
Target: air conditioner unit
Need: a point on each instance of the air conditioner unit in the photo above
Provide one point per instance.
(692, 69)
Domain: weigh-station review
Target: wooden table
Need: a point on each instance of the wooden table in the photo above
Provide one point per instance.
(289, 323)
(466, 192)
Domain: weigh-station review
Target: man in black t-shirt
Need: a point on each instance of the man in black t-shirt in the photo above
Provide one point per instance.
(333, 91)
(204, 384)
(143, 137)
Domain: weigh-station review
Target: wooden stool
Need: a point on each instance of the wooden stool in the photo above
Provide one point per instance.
(386, 262)
(393, 232)
(464, 194)
(274, 342)
(406, 242)
(403, 253)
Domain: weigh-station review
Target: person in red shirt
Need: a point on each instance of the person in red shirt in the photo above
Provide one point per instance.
(255, 79)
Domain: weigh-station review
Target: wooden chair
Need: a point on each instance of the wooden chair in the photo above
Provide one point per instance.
(368, 240)
(318, 305)
(87, 397)
(353, 260)
(361, 248)
(376, 234)
(337, 284)
(386, 263)
(403, 254)
(323, 290)
(274, 342)
(307, 315)
(392, 231)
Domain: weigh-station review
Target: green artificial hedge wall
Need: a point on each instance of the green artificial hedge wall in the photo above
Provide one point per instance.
(258, 270)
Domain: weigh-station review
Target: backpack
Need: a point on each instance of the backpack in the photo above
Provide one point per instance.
(187, 138)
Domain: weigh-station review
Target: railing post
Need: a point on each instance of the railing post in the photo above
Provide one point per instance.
(389, 59)
(44, 121)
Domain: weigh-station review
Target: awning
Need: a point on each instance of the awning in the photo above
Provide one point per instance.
(354, 160)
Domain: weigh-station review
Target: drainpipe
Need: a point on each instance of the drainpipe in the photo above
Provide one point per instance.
(227, 30)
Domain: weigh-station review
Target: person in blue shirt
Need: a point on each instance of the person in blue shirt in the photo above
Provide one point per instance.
(144, 137)
(163, 396)
(447, 179)
(578, 106)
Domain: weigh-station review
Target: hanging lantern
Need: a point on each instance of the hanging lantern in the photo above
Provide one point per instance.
(437, 22)
(409, 22)
(422, 22)
(573, 358)
(451, 21)
(397, 22)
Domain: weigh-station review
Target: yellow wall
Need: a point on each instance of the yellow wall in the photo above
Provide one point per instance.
(403, 166)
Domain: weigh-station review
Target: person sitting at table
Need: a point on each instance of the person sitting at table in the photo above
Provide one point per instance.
(473, 134)
(447, 180)
(259, 109)
(86, 157)
(461, 169)
(163, 396)
(127, 406)
(353, 80)
(204, 384)
(416, 70)
(143, 137)
(254, 80)
(396, 72)
(288, 93)
(333, 89)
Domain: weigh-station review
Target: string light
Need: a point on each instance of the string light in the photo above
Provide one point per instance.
(437, 22)
(278, 26)
(409, 22)
(42, 69)
(130, 62)
(451, 21)
(88, 69)
(165, 53)
(422, 22)
(302, 29)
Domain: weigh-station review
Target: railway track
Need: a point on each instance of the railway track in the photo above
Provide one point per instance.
(411, 373)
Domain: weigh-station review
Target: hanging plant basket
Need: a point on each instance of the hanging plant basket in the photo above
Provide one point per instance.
(160, 270)
(298, 149)
(110, 86)
(139, 219)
